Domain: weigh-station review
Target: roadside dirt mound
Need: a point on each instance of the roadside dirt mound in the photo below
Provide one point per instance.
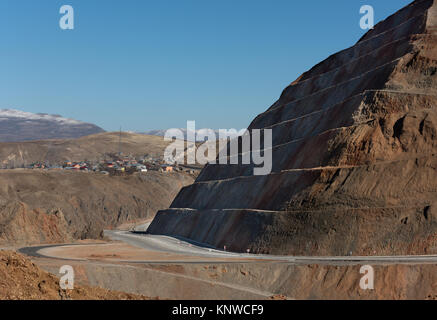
(60, 206)
(21, 279)
(319, 281)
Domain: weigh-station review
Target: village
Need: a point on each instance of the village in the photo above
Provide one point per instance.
(112, 164)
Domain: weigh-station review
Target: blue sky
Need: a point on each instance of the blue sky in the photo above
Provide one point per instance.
(144, 64)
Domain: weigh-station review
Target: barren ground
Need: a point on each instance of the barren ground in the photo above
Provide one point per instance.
(115, 266)
(21, 279)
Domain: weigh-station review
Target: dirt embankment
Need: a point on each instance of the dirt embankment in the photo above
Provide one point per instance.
(326, 282)
(252, 281)
(99, 265)
(54, 207)
(20, 279)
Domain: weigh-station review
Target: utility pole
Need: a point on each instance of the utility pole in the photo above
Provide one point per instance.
(119, 144)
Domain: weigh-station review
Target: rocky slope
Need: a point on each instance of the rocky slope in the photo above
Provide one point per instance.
(61, 206)
(20, 279)
(354, 157)
(18, 125)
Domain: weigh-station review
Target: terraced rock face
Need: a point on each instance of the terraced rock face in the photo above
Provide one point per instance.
(354, 157)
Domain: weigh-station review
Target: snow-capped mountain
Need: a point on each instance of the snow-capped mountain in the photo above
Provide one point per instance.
(16, 125)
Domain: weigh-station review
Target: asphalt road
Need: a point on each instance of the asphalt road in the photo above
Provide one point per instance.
(181, 247)
(185, 248)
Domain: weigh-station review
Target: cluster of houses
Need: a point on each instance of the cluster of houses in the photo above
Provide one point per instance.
(114, 165)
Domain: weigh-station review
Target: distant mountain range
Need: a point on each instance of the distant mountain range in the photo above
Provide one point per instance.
(18, 126)
(198, 134)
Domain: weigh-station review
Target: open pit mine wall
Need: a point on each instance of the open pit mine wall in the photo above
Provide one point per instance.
(354, 166)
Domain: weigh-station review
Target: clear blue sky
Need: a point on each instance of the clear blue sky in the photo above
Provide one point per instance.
(155, 64)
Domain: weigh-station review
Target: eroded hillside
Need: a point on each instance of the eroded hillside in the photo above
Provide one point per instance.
(60, 206)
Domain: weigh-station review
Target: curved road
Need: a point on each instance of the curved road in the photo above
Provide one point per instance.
(183, 247)
(178, 246)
